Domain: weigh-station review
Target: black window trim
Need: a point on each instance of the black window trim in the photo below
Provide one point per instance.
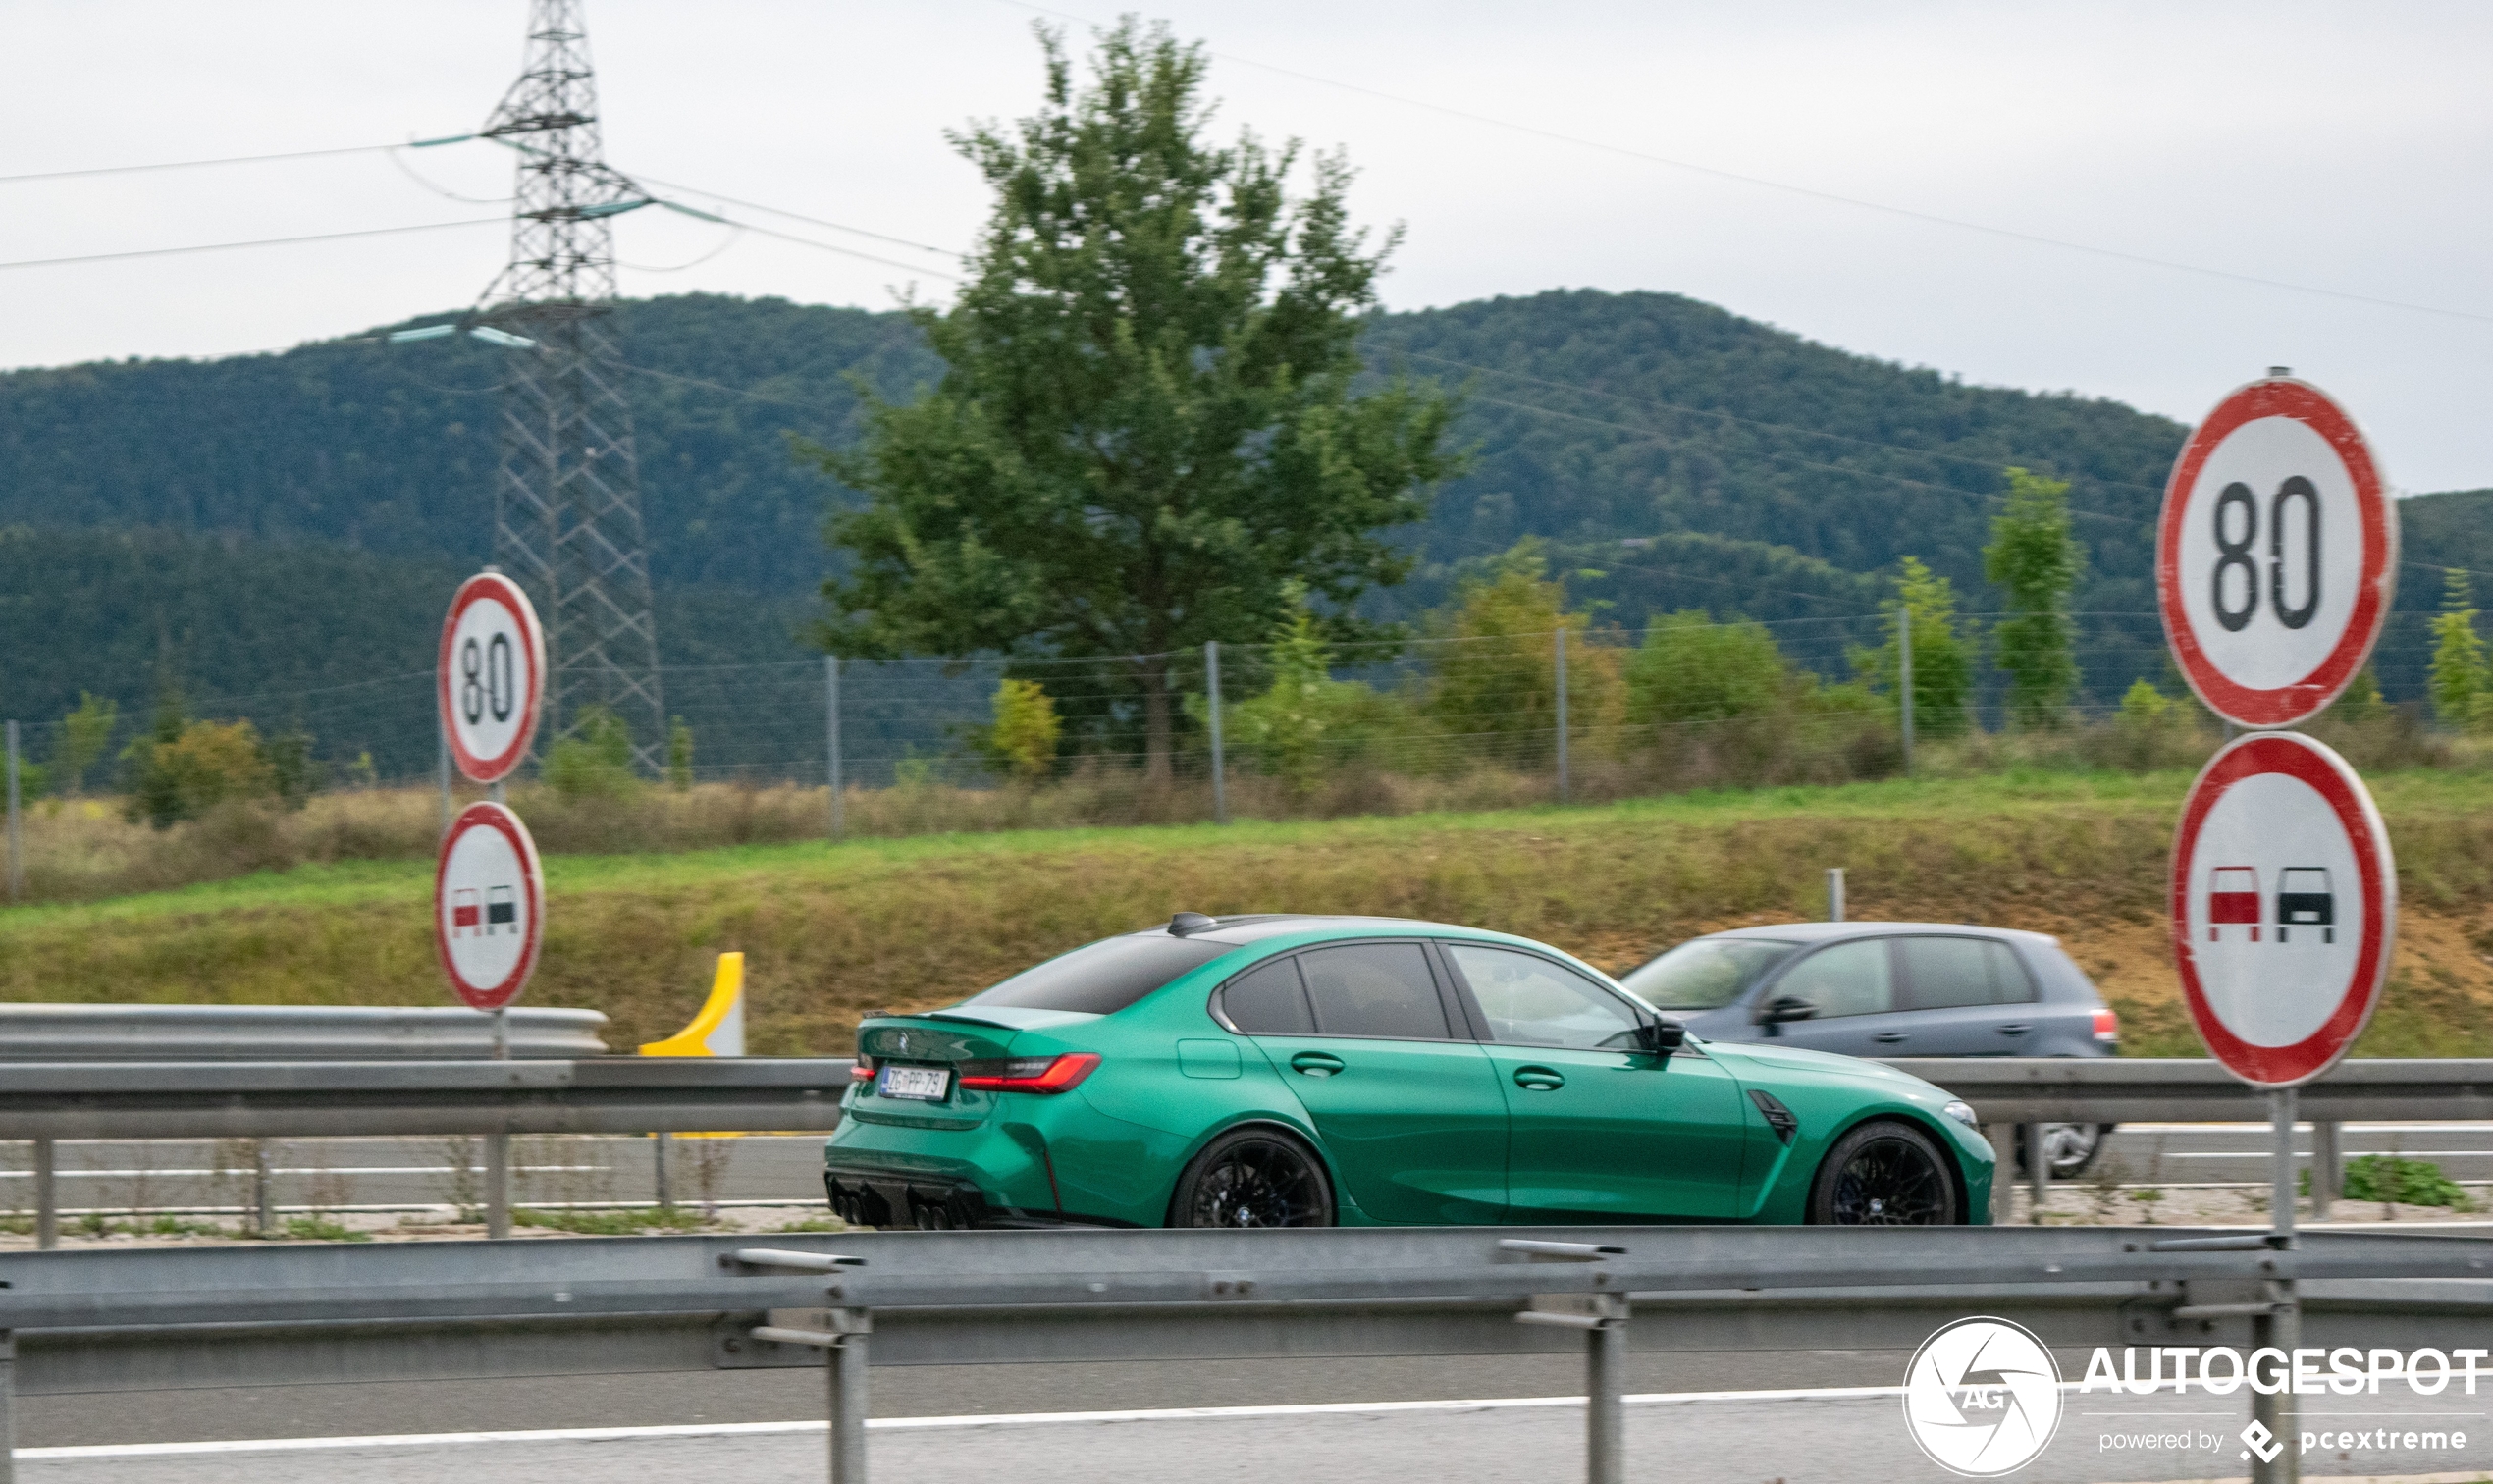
(1461, 1028)
(1480, 1019)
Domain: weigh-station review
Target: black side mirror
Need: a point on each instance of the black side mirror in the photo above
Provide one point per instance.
(1661, 1036)
(1785, 1009)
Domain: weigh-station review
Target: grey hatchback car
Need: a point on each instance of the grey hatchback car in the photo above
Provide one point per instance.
(1890, 990)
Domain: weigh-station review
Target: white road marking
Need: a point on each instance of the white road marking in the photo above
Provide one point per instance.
(916, 1424)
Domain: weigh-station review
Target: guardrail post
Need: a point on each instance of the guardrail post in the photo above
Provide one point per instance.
(2037, 1172)
(2003, 1172)
(845, 1367)
(1604, 1380)
(8, 1407)
(48, 1196)
(665, 1190)
(2326, 1175)
(263, 1190)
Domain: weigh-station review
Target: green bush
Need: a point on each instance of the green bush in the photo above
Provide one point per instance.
(2406, 1182)
(1020, 743)
(1306, 723)
(594, 759)
(180, 769)
(1691, 668)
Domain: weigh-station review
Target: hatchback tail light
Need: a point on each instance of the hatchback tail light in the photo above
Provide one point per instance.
(2107, 1027)
(1028, 1074)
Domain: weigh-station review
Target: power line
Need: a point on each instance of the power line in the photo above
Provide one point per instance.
(317, 237)
(1813, 194)
(795, 216)
(292, 154)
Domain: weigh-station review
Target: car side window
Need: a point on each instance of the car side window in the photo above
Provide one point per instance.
(1381, 989)
(1530, 1001)
(1951, 973)
(1849, 978)
(1269, 1000)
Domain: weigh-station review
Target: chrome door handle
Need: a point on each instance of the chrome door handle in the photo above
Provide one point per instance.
(1891, 1037)
(1538, 1079)
(2015, 1028)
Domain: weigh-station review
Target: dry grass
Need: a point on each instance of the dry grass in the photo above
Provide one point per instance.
(832, 932)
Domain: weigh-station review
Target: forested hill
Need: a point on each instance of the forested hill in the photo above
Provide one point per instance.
(1672, 454)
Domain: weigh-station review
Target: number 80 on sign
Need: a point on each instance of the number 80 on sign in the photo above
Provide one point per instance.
(491, 676)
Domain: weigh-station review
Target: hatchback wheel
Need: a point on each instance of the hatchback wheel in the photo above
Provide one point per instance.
(1883, 1174)
(2072, 1148)
(1253, 1177)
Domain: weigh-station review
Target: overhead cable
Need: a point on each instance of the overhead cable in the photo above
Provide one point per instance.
(317, 237)
(259, 159)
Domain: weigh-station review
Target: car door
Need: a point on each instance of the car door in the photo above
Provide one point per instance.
(1851, 984)
(1969, 996)
(1410, 1110)
(1598, 1130)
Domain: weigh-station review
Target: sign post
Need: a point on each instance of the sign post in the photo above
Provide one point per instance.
(491, 684)
(2276, 560)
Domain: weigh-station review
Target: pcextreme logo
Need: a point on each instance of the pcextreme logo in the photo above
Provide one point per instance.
(1982, 1398)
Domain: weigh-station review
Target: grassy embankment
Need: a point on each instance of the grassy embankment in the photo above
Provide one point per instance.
(834, 931)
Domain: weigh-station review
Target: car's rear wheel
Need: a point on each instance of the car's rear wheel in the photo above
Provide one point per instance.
(1253, 1177)
(2072, 1148)
(1884, 1174)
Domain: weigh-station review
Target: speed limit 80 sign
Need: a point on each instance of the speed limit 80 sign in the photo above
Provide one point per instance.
(2276, 556)
(491, 675)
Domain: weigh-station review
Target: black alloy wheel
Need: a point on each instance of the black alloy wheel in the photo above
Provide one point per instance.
(1253, 1177)
(1884, 1174)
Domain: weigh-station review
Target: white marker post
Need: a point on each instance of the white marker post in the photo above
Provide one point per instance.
(2276, 560)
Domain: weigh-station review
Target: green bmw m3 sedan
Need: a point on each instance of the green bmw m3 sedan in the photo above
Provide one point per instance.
(1321, 1070)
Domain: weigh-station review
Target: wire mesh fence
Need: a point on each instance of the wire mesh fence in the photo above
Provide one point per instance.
(1484, 719)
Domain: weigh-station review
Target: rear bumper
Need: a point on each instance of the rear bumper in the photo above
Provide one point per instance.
(863, 1195)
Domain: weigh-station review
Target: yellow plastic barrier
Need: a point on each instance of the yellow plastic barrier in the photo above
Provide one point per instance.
(719, 1029)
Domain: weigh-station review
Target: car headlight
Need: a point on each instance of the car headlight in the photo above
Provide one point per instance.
(1963, 1112)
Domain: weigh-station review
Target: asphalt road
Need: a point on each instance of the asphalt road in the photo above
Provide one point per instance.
(1855, 1438)
(341, 1174)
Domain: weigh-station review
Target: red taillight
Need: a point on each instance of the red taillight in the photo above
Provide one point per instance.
(2107, 1027)
(1028, 1074)
(863, 1070)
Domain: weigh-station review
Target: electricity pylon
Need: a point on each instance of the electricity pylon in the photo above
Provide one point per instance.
(567, 495)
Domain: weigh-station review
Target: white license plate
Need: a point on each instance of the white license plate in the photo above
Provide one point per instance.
(926, 1084)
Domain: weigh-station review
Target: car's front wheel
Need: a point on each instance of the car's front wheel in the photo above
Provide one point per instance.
(1253, 1177)
(1884, 1174)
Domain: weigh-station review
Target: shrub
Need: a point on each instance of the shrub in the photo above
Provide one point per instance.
(2406, 1182)
(1691, 668)
(180, 769)
(594, 759)
(679, 757)
(1496, 682)
(84, 734)
(1305, 724)
(1942, 655)
(1020, 743)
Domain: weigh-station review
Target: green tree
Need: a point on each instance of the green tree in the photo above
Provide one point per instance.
(594, 759)
(2458, 681)
(2143, 708)
(1306, 721)
(2034, 563)
(1020, 741)
(1497, 680)
(1693, 670)
(679, 756)
(294, 773)
(85, 732)
(1942, 654)
(1150, 420)
(182, 769)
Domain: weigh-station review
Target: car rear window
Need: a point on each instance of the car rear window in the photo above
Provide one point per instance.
(1707, 972)
(1102, 978)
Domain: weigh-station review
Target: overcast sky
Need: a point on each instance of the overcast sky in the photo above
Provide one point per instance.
(2339, 147)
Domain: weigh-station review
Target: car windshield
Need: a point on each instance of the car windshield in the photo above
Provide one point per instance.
(1707, 972)
(1102, 978)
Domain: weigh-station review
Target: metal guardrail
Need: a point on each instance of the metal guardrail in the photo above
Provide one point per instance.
(259, 1315)
(291, 1032)
(2175, 1089)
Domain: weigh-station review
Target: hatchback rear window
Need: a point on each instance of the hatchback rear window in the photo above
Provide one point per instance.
(1102, 978)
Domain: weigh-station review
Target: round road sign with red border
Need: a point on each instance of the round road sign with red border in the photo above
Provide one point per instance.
(491, 679)
(2285, 907)
(489, 906)
(2275, 555)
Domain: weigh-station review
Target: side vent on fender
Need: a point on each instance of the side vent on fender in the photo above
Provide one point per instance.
(1777, 1117)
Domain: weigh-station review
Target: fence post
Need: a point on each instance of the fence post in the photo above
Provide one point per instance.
(830, 721)
(48, 1196)
(17, 852)
(1561, 712)
(1212, 694)
(1904, 676)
